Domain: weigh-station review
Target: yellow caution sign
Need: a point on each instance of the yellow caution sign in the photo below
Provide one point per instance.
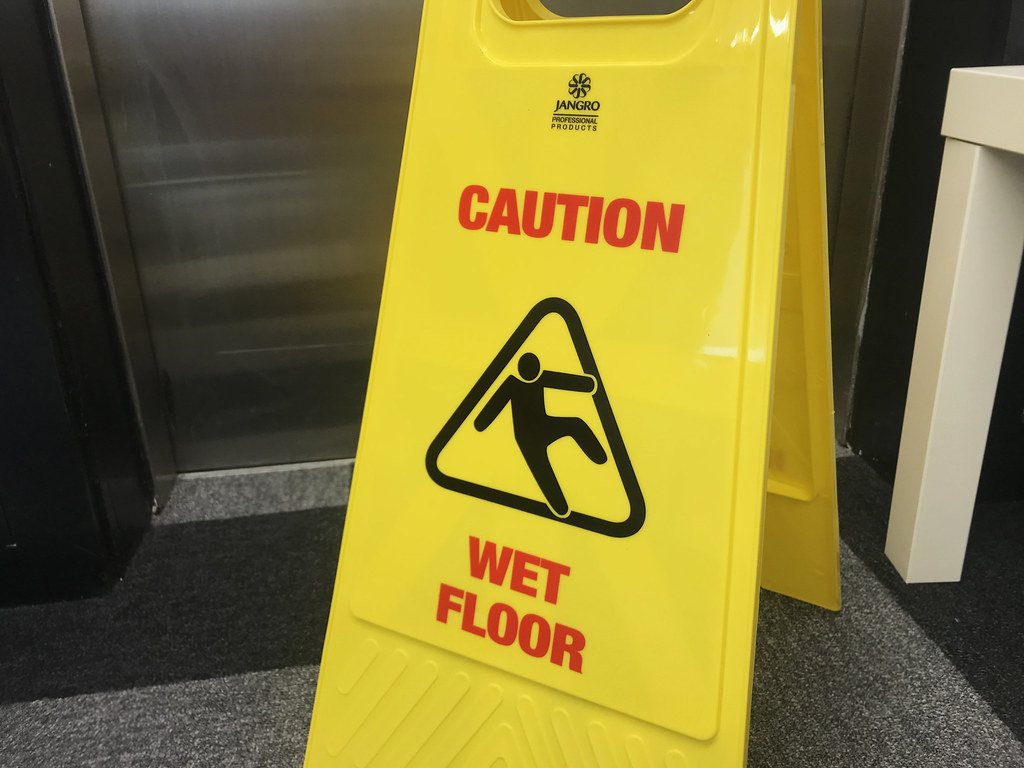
(552, 552)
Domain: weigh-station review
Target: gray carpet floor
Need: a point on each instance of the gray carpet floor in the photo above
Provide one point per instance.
(869, 686)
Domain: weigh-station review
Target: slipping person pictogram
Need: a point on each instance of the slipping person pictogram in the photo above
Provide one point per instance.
(516, 379)
(535, 429)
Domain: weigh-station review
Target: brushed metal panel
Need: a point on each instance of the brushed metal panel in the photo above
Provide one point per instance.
(258, 146)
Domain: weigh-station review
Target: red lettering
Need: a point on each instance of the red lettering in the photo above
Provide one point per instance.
(505, 213)
(547, 214)
(572, 204)
(540, 646)
(469, 614)
(594, 220)
(568, 641)
(467, 218)
(612, 219)
(446, 603)
(656, 225)
(486, 563)
(520, 573)
(534, 633)
(620, 223)
(555, 573)
(505, 636)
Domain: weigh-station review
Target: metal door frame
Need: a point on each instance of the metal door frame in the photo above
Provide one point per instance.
(114, 241)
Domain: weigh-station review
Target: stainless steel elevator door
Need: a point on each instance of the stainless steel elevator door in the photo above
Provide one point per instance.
(258, 146)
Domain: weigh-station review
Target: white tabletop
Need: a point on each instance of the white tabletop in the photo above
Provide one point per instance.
(985, 105)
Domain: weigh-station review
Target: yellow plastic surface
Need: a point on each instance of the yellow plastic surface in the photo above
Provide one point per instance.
(552, 550)
(801, 529)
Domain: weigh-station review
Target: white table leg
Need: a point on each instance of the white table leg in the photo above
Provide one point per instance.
(973, 261)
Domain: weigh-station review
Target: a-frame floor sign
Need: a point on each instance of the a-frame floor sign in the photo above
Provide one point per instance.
(608, 248)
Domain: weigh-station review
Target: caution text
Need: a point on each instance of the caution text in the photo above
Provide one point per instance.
(620, 222)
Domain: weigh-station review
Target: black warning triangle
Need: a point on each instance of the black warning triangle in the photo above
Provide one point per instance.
(525, 432)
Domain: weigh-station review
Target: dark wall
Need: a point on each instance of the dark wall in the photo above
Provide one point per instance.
(941, 34)
(74, 486)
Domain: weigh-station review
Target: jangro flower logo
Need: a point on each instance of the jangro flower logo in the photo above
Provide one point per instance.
(579, 86)
(577, 113)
